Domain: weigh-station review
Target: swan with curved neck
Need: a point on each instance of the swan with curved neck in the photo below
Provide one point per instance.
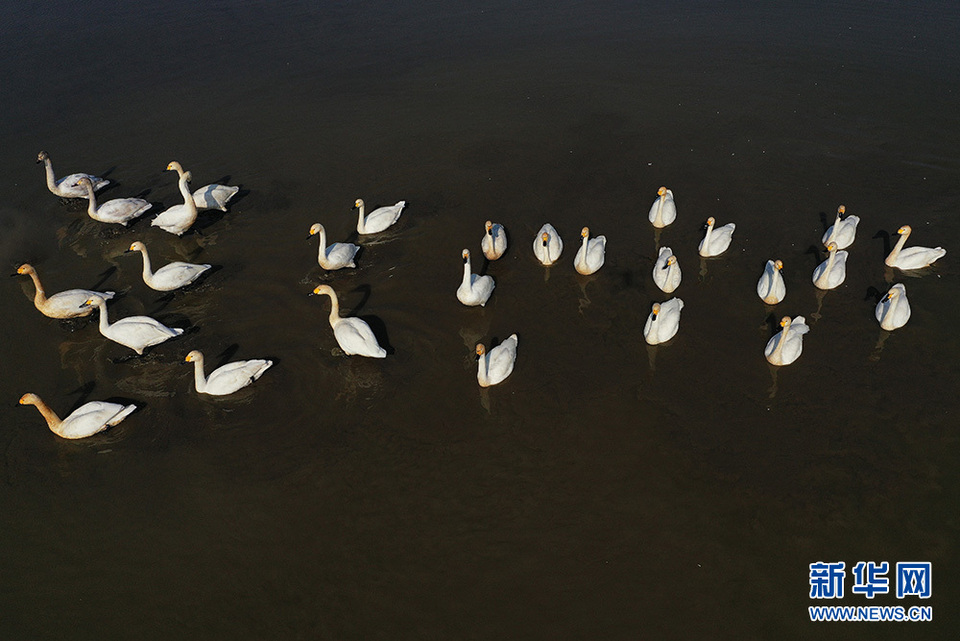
(353, 334)
(842, 232)
(785, 346)
(716, 240)
(179, 218)
(226, 379)
(548, 245)
(169, 277)
(666, 271)
(912, 257)
(67, 187)
(833, 271)
(66, 304)
(335, 255)
(664, 210)
(663, 322)
(770, 288)
(590, 256)
(497, 364)
(379, 219)
(893, 310)
(211, 196)
(87, 420)
(494, 242)
(118, 210)
(135, 332)
(474, 289)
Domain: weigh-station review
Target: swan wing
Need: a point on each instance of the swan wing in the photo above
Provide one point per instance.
(356, 338)
(214, 196)
(175, 275)
(121, 210)
(234, 376)
(67, 304)
(340, 255)
(93, 417)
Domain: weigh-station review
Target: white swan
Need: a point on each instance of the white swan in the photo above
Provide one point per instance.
(179, 218)
(66, 304)
(590, 256)
(833, 271)
(169, 277)
(226, 379)
(785, 346)
(335, 255)
(893, 311)
(770, 288)
(666, 271)
(135, 332)
(67, 187)
(378, 219)
(497, 364)
(912, 257)
(86, 420)
(474, 289)
(353, 334)
(211, 196)
(494, 242)
(118, 210)
(664, 210)
(716, 241)
(663, 322)
(842, 232)
(548, 245)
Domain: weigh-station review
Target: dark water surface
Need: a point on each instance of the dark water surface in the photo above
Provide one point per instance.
(606, 490)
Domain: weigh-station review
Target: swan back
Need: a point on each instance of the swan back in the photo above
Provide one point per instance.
(547, 246)
(770, 288)
(893, 310)
(833, 271)
(842, 232)
(666, 271)
(494, 242)
(497, 364)
(474, 289)
(716, 240)
(591, 254)
(664, 210)
(663, 322)
(785, 347)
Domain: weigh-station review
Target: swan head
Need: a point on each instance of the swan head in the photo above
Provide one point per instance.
(317, 228)
(83, 182)
(904, 230)
(488, 226)
(831, 247)
(841, 210)
(711, 221)
(481, 350)
(322, 289)
(670, 261)
(173, 165)
(94, 301)
(358, 204)
(465, 254)
(891, 294)
(43, 156)
(545, 237)
(26, 269)
(655, 311)
(778, 265)
(785, 322)
(585, 232)
(662, 192)
(195, 355)
(29, 399)
(137, 246)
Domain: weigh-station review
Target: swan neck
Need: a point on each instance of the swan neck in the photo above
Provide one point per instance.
(831, 259)
(185, 192)
(360, 223)
(334, 309)
(897, 248)
(322, 254)
(51, 178)
(53, 421)
(40, 297)
(147, 271)
(484, 366)
(466, 271)
(91, 200)
(199, 379)
(104, 323)
(659, 218)
(778, 353)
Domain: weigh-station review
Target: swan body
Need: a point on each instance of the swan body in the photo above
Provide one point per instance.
(548, 245)
(66, 304)
(912, 257)
(67, 186)
(118, 210)
(833, 271)
(353, 334)
(179, 218)
(172, 275)
(664, 210)
(135, 332)
(378, 219)
(666, 271)
(211, 196)
(663, 322)
(770, 288)
(785, 346)
(474, 289)
(87, 420)
(590, 256)
(716, 241)
(335, 255)
(494, 242)
(228, 378)
(497, 364)
(893, 311)
(842, 232)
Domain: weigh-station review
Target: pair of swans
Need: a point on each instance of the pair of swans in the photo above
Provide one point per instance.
(785, 346)
(770, 288)
(169, 277)
(378, 219)
(663, 322)
(118, 210)
(211, 196)
(494, 242)
(66, 304)
(591, 254)
(495, 366)
(226, 379)
(179, 218)
(353, 334)
(548, 245)
(666, 271)
(893, 310)
(912, 257)
(474, 289)
(842, 232)
(87, 420)
(833, 271)
(335, 255)
(67, 186)
(135, 332)
(716, 240)
(664, 210)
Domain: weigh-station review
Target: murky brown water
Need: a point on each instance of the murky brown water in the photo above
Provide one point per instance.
(605, 490)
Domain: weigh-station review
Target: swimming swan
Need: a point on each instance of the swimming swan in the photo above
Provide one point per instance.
(912, 257)
(474, 289)
(590, 256)
(494, 242)
(353, 334)
(67, 187)
(212, 196)
(716, 241)
(842, 232)
(666, 271)
(664, 210)
(135, 332)
(228, 378)
(770, 288)
(335, 255)
(497, 364)
(833, 271)
(893, 311)
(785, 346)
(548, 245)
(169, 277)
(118, 210)
(378, 219)
(67, 304)
(179, 218)
(86, 420)
(663, 322)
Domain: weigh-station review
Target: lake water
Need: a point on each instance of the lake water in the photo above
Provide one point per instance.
(605, 490)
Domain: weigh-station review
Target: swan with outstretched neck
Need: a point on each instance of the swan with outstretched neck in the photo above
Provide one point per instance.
(169, 277)
(353, 334)
(548, 245)
(770, 288)
(179, 218)
(842, 232)
(226, 379)
(118, 210)
(494, 242)
(893, 310)
(785, 346)
(378, 219)
(664, 210)
(663, 322)
(474, 289)
(912, 257)
(67, 186)
(716, 240)
(590, 256)
(211, 196)
(87, 420)
(335, 255)
(666, 271)
(833, 271)
(135, 332)
(497, 364)
(66, 304)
